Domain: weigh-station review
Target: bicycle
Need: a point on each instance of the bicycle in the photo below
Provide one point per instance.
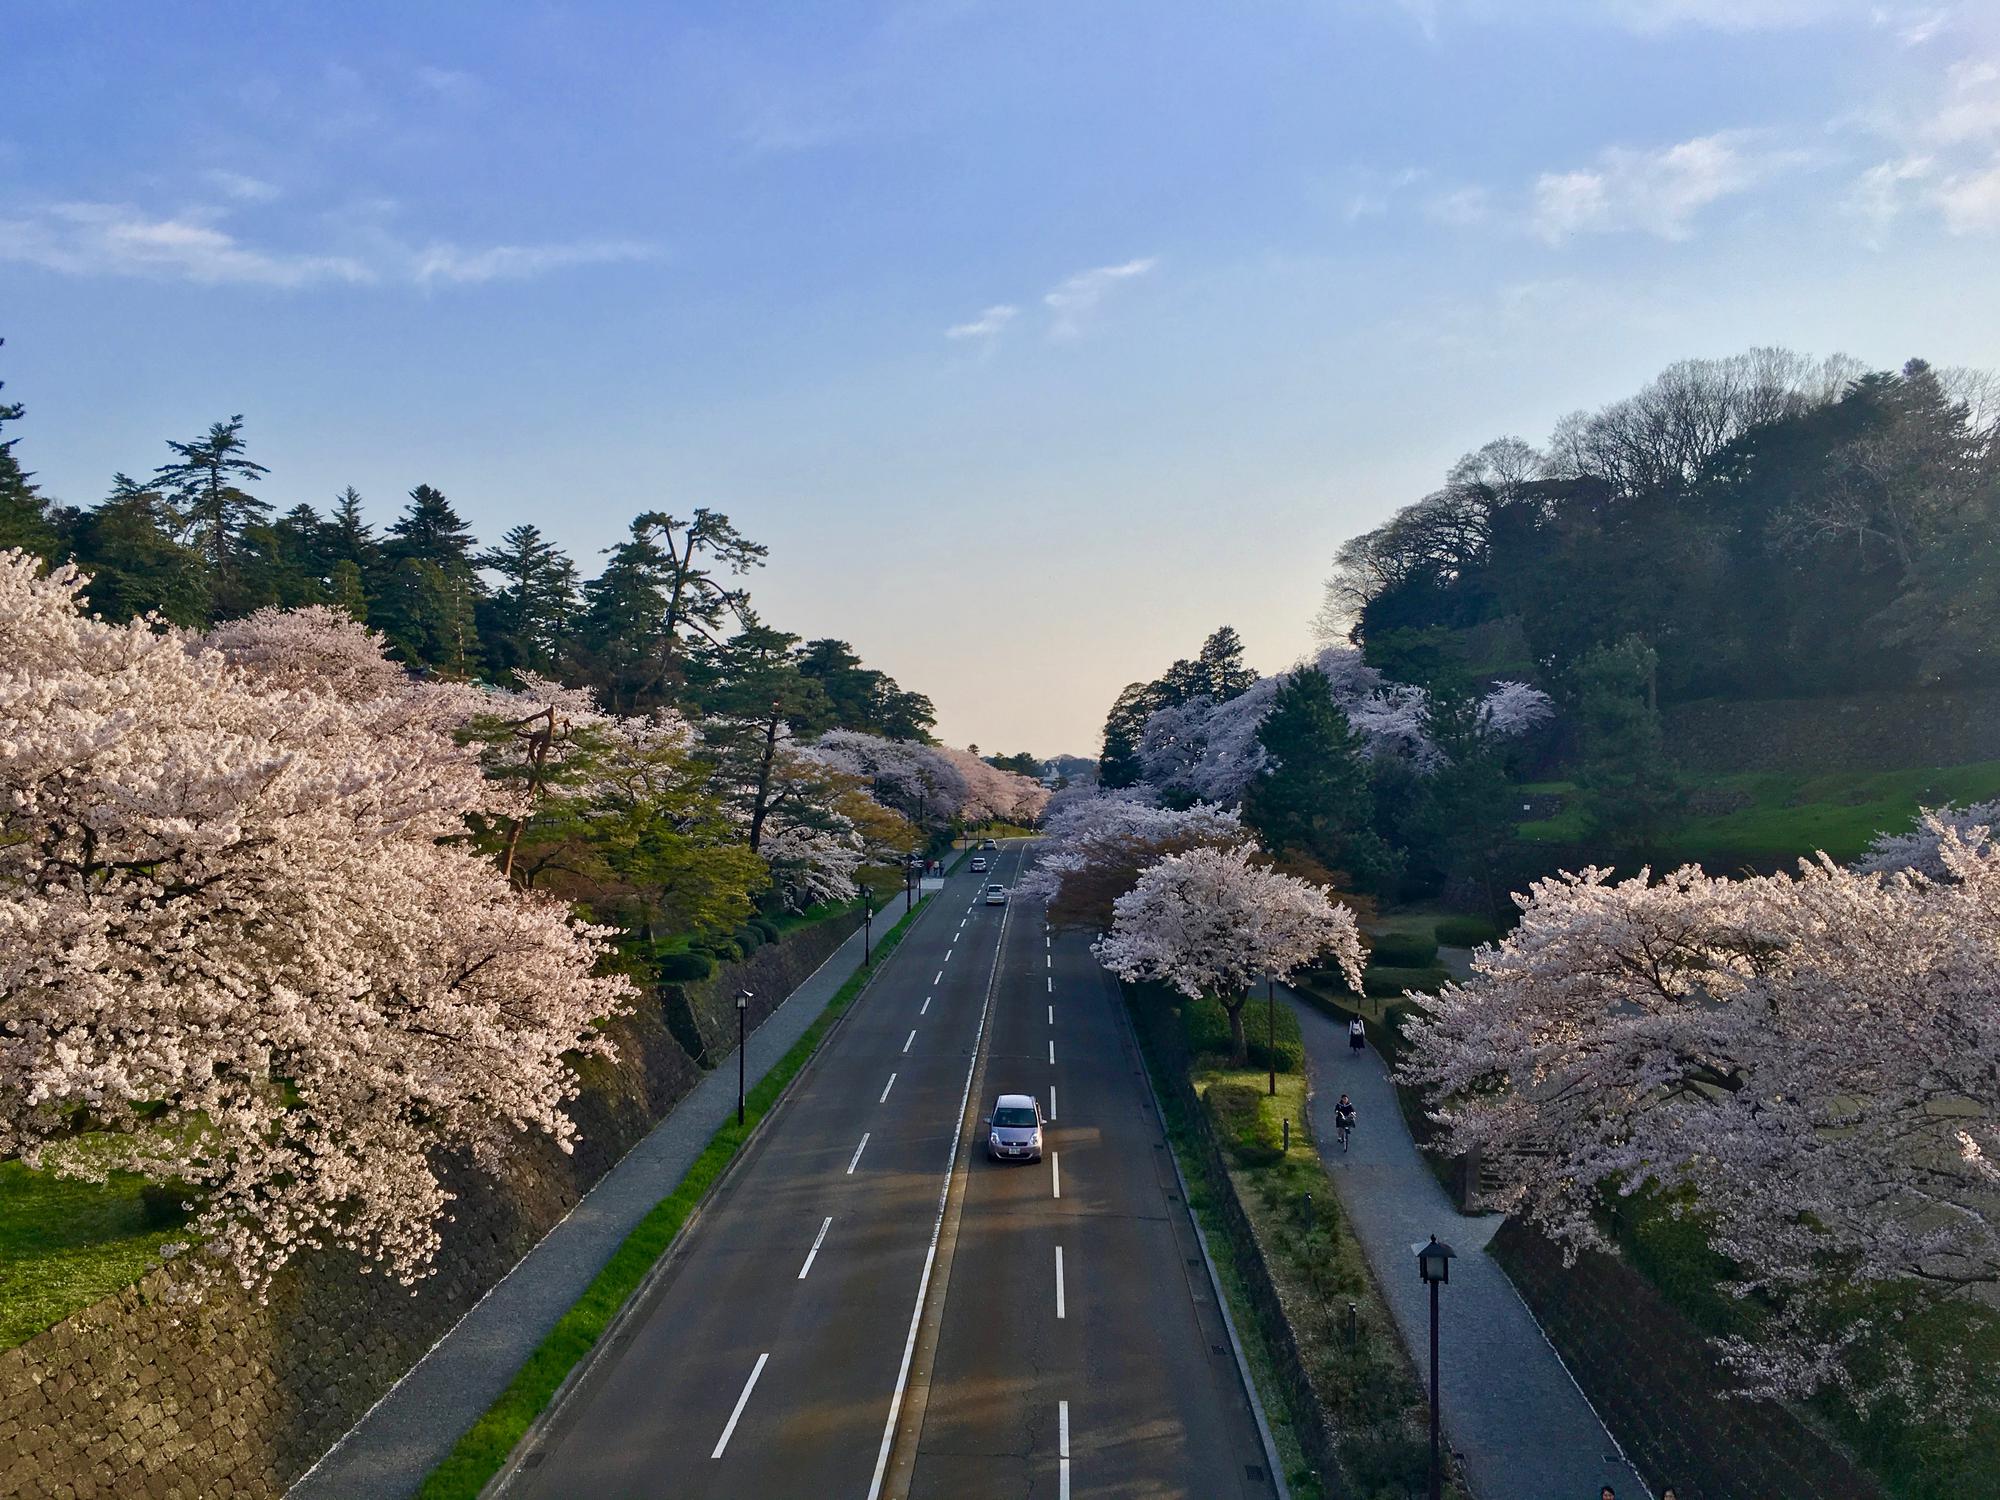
(1345, 1128)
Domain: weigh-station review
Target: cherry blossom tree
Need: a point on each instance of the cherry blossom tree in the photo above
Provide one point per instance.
(237, 952)
(1209, 922)
(1919, 848)
(1807, 1063)
(1210, 750)
(1093, 849)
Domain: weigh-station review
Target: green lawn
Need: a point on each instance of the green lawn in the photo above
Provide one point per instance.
(1790, 814)
(64, 1244)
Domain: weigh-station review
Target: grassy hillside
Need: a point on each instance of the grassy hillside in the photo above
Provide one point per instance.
(1762, 815)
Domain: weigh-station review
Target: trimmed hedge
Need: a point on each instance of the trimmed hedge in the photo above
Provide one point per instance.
(1466, 932)
(766, 926)
(748, 938)
(683, 968)
(1237, 1109)
(1404, 950)
(1386, 981)
(1206, 1025)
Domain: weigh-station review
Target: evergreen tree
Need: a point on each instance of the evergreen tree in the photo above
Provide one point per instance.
(24, 518)
(1314, 798)
(863, 698)
(519, 622)
(128, 545)
(1223, 674)
(205, 486)
(1631, 794)
(1118, 764)
(658, 596)
(430, 592)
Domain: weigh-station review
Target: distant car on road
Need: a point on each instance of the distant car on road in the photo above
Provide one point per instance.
(996, 895)
(989, 844)
(1016, 1129)
(979, 864)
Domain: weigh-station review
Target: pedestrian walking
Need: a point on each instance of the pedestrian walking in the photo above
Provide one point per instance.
(1608, 1494)
(1357, 1036)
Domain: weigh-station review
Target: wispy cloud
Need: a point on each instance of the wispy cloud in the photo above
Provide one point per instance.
(1657, 191)
(1074, 300)
(111, 239)
(987, 325)
(241, 187)
(462, 267)
(448, 84)
(1945, 155)
(119, 240)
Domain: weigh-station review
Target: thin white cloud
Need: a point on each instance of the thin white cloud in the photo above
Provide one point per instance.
(987, 325)
(110, 239)
(242, 187)
(462, 267)
(1657, 192)
(119, 240)
(448, 84)
(1945, 155)
(1460, 208)
(1073, 300)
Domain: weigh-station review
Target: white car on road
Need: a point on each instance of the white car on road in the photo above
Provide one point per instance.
(1016, 1129)
(996, 895)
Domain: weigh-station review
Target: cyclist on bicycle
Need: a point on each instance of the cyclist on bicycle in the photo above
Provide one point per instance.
(1343, 1118)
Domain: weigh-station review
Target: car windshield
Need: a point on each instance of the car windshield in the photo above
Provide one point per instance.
(1013, 1117)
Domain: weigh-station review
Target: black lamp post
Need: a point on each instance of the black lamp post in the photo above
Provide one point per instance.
(1434, 1266)
(743, 998)
(867, 931)
(909, 884)
(1271, 1033)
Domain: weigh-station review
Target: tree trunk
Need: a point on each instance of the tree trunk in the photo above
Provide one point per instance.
(1239, 1047)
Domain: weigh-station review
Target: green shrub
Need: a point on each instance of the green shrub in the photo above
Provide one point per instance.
(1206, 1025)
(1404, 950)
(1250, 1135)
(748, 938)
(766, 926)
(723, 950)
(683, 968)
(1386, 981)
(1466, 932)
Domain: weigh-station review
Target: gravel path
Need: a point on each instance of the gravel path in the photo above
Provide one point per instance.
(1520, 1425)
(411, 1429)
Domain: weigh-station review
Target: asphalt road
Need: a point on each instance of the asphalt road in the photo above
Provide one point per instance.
(767, 1359)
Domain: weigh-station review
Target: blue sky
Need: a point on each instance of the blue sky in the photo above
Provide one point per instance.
(1036, 340)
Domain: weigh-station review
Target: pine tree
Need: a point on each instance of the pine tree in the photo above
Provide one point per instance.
(430, 594)
(205, 485)
(1314, 798)
(24, 518)
(1221, 665)
(128, 546)
(518, 623)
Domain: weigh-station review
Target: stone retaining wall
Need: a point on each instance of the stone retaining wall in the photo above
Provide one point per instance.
(1658, 1387)
(139, 1396)
(1861, 732)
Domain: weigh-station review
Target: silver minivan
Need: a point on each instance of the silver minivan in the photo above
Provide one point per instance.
(1015, 1129)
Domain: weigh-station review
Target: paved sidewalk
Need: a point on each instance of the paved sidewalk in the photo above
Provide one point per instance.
(1511, 1410)
(412, 1428)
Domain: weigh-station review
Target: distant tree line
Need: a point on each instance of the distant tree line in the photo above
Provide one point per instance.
(666, 623)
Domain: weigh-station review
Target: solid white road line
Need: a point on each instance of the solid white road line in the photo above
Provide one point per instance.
(885, 1089)
(910, 1038)
(851, 1162)
(924, 1009)
(1052, 1102)
(1062, 1450)
(1055, 1172)
(1061, 1311)
(818, 1240)
(741, 1402)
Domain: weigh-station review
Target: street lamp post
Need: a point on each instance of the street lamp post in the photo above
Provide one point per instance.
(1271, 1033)
(743, 998)
(909, 884)
(1434, 1266)
(867, 931)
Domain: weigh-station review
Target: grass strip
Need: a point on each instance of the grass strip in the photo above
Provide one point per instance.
(478, 1455)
